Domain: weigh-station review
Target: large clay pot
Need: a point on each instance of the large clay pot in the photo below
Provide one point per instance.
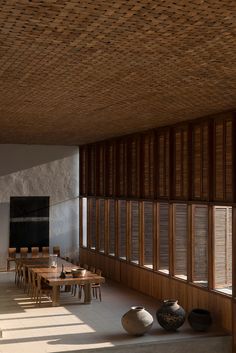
(200, 319)
(171, 315)
(137, 321)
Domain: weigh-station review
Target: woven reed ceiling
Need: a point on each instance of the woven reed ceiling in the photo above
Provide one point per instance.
(80, 71)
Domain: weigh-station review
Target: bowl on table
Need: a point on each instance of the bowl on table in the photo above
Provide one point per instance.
(78, 272)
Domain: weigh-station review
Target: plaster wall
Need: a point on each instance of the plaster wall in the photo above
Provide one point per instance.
(42, 171)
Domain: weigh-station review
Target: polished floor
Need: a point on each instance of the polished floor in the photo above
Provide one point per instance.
(85, 328)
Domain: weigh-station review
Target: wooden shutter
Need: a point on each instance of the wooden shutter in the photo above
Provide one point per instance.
(112, 227)
(110, 168)
(101, 225)
(180, 237)
(100, 169)
(223, 174)
(200, 161)
(134, 247)
(147, 165)
(92, 223)
(163, 240)
(121, 168)
(122, 227)
(148, 233)
(200, 245)
(181, 163)
(83, 170)
(162, 153)
(134, 166)
(91, 170)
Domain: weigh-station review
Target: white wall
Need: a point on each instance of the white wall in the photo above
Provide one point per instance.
(42, 171)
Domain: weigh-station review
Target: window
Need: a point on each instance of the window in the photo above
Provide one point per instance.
(163, 252)
(180, 240)
(223, 249)
(200, 245)
(134, 247)
(148, 233)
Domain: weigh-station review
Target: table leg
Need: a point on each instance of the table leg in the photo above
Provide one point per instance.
(87, 293)
(55, 295)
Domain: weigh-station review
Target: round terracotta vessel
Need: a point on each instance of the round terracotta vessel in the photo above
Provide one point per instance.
(137, 321)
(171, 315)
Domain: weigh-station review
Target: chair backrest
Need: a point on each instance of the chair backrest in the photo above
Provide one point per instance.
(34, 251)
(56, 250)
(92, 269)
(98, 272)
(85, 266)
(23, 252)
(45, 251)
(12, 252)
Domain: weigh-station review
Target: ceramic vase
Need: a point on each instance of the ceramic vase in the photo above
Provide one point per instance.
(137, 321)
(200, 319)
(171, 315)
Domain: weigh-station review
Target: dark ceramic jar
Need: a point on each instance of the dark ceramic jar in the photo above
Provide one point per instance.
(171, 315)
(200, 319)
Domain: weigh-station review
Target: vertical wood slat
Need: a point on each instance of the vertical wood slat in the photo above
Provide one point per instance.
(223, 163)
(92, 170)
(147, 166)
(200, 161)
(110, 168)
(181, 162)
(83, 177)
(162, 154)
(100, 169)
(134, 166)
(121, 167)
(234, 280)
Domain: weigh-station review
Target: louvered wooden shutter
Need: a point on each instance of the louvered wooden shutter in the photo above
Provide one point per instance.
(181, 163)
(100, 169)
(162, 153)
(200, 244)
(223, 246)
(134, 232)
(223, 175)
(163, 236)
(121, 168)
(91, 169)
(101, 225)
(200, 162)
(134, 166)
(83, 170)
(180, 239)
(122, 219)
(112, 227)
(147, 165)
(110, 168)
(148, 233)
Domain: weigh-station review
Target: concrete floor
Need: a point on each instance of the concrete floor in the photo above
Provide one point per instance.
(86, 328)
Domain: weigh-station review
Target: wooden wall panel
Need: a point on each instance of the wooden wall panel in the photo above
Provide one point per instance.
(100, 169)
(162, 159)
(110, 168)
(181, 162)
(134, 166)
(83, 177)
(223, 169)
(121, 168)
(91, 170)
(200, 161)
(147, 166)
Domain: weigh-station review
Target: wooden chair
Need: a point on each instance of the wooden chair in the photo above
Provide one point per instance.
(41, 288)
(56, 250)
(23, 252)
(45, 251)
(18, 273)
(35, 251)
(11, 257)
(96, 287)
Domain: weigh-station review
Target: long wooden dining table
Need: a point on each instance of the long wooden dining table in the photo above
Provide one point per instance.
(51, 275)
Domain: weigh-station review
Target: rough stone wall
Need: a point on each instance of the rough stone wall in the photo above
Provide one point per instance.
(59, 179)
